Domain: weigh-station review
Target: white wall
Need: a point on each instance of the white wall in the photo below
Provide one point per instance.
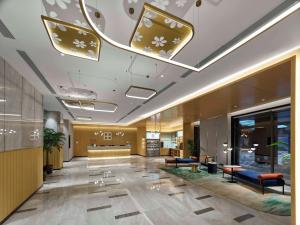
(213, 133)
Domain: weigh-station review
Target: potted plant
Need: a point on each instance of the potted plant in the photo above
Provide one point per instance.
(52, 140)
(281, 145)
(191, 147)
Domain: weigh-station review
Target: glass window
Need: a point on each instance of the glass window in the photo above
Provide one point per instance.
(262, 141)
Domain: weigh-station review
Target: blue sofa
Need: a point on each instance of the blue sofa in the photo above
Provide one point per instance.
(185, 160)
(261, 179)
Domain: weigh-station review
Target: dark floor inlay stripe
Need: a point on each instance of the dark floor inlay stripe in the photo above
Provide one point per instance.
(26, 210)
(162, 182)
(95, 192)
(127, 215)
(203, 197)
(180, 185)
(164, 178)
(43, 192)
(116, 196)
(112, 184)
(243, 217)
(94, 175)
(137, 171)
(145, 176)
(109, 177)
(98, 208)
(202, 211)
(177, 193)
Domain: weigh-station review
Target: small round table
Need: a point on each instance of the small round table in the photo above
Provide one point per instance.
(232, 167)
(195, 167)
(212, 167)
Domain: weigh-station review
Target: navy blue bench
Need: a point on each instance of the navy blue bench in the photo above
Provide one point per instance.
(264, 180)
(185, 160)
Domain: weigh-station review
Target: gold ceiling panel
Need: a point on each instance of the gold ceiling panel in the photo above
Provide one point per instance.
(72, 40)
(160, 33)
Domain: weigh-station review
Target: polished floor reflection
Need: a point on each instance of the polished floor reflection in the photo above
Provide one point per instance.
(133, 191)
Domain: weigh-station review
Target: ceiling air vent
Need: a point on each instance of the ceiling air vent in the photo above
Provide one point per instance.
(5, 31)
(161, 91)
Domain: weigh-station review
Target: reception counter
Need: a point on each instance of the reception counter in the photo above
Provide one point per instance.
(108, 151)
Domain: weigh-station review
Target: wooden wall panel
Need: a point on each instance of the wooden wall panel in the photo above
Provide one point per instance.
(85, 135)
(141, 141)
(21, 174)
(188, 134)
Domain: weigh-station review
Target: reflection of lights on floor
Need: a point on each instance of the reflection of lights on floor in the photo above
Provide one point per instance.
(108, 165)
(155, 187)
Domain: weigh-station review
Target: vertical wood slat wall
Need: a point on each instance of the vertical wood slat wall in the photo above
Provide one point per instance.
(21, 174)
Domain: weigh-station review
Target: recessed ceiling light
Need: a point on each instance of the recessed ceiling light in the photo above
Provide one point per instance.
(235, 106)
(162, 76)
(140, 92)
(87, 118)
(263, 99)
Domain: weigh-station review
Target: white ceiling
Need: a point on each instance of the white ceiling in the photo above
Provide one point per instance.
(216, 22)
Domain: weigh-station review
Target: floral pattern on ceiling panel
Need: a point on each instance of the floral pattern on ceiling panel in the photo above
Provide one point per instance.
(160, 33)
(176, 7)
(70, 12)
(72, 40)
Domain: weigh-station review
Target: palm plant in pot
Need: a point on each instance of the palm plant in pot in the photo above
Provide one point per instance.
(52, 140)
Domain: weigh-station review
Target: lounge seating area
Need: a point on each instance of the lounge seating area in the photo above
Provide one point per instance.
(181, 161)
(259, 179)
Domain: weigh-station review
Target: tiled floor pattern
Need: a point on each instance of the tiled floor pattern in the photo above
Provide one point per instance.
(130, 191)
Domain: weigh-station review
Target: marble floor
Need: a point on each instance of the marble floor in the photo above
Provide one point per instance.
(130, 190)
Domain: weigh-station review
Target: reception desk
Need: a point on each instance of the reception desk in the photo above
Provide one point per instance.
(108, 151)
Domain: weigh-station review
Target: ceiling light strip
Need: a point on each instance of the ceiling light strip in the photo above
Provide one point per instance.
(217, 84)
(288, 8)
(83, 118)
(276, 15)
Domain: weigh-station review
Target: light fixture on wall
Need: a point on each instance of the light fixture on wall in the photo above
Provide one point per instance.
(252, 149)
(2, 100)
(70, 39)
(160, 33)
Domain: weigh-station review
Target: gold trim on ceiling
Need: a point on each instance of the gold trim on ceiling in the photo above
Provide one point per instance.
(72, 40)
(160, 33)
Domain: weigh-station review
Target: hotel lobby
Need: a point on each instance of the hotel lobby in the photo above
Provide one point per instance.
(149, 112)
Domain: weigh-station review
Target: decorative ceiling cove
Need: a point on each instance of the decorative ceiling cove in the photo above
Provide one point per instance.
(160, 33)
(175, 7)
(70, 12)
(72, 40)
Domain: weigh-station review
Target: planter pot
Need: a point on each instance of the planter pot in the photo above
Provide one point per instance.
(49, 169)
